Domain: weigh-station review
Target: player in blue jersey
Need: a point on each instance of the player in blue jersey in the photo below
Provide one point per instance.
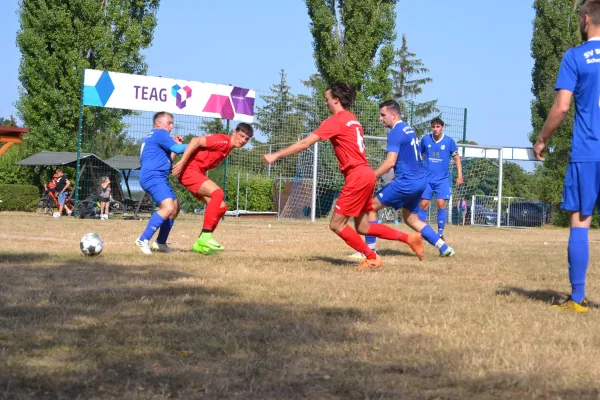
(156, 155)
(579, 76)
(437, 149)
(406, 190)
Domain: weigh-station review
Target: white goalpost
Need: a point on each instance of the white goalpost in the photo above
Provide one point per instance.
(317, 182)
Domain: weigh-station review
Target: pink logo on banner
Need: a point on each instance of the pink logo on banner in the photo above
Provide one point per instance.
(222, 105)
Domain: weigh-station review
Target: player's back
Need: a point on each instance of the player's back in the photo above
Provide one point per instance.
(403, 140)
(580, 73)
(437, 155)
(346, 135)
(155, 154)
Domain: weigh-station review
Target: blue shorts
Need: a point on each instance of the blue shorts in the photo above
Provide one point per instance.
(441, 190)
(402, 194)
(582, 187)
(62, 196)
(159, 189)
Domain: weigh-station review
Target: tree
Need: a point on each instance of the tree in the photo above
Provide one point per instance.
(213, 125)
(57, 40)
(409, 77)
(8, 122)
(555, 30)
(279, 119)
(353, 42)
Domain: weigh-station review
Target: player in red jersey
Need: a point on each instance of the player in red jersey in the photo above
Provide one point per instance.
(202, 154)
(345, 133)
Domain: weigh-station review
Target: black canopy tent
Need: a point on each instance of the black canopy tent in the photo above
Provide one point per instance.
(92, 168)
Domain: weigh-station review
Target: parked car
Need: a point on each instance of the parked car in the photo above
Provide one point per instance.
(527, 214)
(483, 216)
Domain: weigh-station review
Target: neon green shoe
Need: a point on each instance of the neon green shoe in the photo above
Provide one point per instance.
(206, 240)
(201, 249)
(570, 305)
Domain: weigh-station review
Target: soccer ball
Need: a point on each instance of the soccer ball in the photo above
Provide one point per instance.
(91, 244)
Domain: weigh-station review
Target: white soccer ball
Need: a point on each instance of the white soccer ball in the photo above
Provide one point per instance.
(91, 244)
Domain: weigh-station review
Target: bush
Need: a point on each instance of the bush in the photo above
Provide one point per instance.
(19, 197)
(260, 192)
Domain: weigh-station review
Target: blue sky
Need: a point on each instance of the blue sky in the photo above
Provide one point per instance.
(476, 60)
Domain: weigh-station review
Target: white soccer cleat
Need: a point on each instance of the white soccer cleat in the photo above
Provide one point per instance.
(448, 253)
(161, 248)
(358, 256)
(144, 246)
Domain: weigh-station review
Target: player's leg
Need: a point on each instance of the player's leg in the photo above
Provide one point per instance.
(425, 201)
(211, 194)
(442, 195)
(339, 225)
(162, 194)
(579, 200)
(442, 216)
(165, 229)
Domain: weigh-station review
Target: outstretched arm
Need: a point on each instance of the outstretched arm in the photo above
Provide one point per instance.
(292, 149)
(195, 144)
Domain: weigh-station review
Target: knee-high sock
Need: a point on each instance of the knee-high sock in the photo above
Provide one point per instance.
(164, 231)
(442, 216)
(211, 214)
(353, 239)
(385, 232)
(579, 256)
(155, 222)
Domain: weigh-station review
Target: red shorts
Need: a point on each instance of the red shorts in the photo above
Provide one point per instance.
(192, 179)
(357, 193)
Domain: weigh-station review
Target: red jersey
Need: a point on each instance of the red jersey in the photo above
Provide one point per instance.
(217, 148)
(346, 135)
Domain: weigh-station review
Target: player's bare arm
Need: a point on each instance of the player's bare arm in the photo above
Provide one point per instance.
(195, 144)
(387, 164)
(458, 163)
(557, 115)
(293, 149)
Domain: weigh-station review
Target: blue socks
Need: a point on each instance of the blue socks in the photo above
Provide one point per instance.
(442, 215)
(155, 222)
(371, 240)
(164, 231)
(579, 256)
(429, 234)
(422, 215)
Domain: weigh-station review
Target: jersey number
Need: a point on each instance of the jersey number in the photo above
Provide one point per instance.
(414, 145)
(360, 141)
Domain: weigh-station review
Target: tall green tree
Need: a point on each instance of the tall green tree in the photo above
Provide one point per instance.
(279, 119)
(212, 125)
(555, 29)
(353, 42)
(409, 75)
(57, 40)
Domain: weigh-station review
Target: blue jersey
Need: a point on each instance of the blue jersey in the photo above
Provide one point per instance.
(155, 154)
(580, 74)
(402, 140)
(437, 156)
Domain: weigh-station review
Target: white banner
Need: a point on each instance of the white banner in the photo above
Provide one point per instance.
(151, 93)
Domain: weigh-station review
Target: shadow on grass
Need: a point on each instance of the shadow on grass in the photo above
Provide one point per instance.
(545, 296)
(24, 258)
(101, 330)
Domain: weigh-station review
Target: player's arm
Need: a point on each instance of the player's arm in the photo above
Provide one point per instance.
(458, 163)
(556, 117)
(387, 164)
(66, 186)
(292, 149)
(195, 144)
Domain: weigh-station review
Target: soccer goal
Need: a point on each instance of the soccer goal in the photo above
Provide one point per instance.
(318, 182)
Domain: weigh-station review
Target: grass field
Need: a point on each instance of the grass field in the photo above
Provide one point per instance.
(283, 314)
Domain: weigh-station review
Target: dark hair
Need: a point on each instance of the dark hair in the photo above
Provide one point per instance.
(591, 8)
(344, 92)
(160, 114)
(437, 121)
(246, 128)
(393, 106)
